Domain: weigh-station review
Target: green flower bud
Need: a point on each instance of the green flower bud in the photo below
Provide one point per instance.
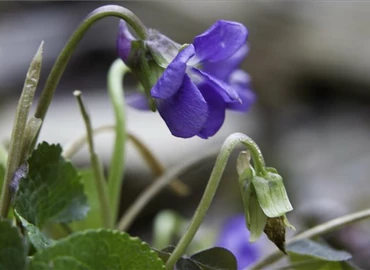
(265, 201)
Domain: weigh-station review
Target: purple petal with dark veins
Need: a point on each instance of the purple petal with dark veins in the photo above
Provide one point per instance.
(240, 81)
(124, 39)
(216, 111)
(172, 78)
(222, 70)
(225, 90)
(137, 100)
(220, 41)
(184, 112)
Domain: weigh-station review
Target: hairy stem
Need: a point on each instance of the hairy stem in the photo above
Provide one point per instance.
(313, 232)
(101, 184)
(211, 188)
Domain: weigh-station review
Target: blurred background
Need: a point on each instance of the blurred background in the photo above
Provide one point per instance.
(309, 63)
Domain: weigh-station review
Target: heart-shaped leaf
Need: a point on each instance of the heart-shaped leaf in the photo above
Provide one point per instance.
(97, 249)
(52, 191)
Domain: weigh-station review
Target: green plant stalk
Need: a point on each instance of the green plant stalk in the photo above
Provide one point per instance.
(63, 58)
(17, 138)
(211, 188)
(117, 162)
(318, 230)
(101, 184)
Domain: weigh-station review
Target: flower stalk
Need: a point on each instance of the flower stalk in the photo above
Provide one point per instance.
(209, 193)
(63, 58)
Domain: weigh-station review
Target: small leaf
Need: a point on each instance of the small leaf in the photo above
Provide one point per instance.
(13, 252)
(52, 191)
(215, 258)
(317, 250)
(256, 217)
(97, 249)
(187, 264)
(36, 237)
(165, 253)
(272, 195)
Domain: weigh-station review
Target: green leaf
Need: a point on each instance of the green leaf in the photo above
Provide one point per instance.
(272, 195)
(13, 252)
(187, 264)
(93, 219)
(95, 250)
(316, 250)
(256, 218)
(215, 258)
(52, 191)
(36, 237)
(302, 262)
(165, 253)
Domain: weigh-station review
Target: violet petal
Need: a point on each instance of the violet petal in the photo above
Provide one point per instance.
(186, 111)
(240, 81)
(172, 78)
(222, 70)
(225, 90)
(124, 39)
(220, 41)
(234, 237)
(216, 110)
(137, 100)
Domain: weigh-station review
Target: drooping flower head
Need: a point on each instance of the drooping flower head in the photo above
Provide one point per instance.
(191, 85)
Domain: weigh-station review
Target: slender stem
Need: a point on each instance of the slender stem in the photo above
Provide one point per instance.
(144, 198)
(17, 138)
(63, 58)
(211, 188)
(101, 184)
(313, 232)
(117, 162)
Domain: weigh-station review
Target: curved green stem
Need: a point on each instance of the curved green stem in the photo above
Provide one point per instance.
(101, 183)
(64, 56)
(117, 162)
(211, 188)
(321, 229)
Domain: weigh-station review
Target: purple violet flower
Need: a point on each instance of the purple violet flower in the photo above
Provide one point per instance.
(234, 236)
(199, 81)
